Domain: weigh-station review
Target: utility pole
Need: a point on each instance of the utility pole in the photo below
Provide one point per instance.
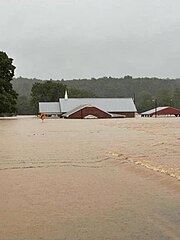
(155, 104)
(134, 98)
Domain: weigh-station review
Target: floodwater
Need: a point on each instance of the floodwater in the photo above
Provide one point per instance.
(90, 179)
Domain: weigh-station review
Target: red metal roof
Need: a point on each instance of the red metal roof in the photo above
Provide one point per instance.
(162, 111)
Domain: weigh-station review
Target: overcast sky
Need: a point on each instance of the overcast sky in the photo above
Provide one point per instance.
(91, 38)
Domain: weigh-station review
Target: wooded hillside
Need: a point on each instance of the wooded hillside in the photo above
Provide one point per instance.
(143, 90)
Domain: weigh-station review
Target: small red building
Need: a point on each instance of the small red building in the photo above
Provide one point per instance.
(159, 111)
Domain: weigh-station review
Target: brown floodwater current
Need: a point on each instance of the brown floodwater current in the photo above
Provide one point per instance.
(90, 179)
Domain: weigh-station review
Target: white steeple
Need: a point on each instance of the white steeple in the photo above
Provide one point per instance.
(66, 95)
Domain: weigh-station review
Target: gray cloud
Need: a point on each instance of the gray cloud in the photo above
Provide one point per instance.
(91, 38)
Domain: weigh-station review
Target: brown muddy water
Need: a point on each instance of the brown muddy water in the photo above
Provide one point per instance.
(90, 179)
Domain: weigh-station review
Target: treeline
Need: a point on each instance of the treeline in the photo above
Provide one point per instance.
(51, 91)
(8, 96)
(124, 87)
(143, 90)
(43, 91)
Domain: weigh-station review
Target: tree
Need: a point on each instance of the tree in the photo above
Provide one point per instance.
(164, 97)
(176, 98)
(48, 91)
(51, 91)
(128, 77)
(7, 95)
(79, 93)
(144, 102)
(23, 105)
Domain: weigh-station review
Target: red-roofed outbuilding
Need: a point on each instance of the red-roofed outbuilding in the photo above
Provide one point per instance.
(166, 111)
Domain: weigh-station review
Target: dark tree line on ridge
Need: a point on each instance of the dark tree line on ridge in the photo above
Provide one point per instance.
(143, 90)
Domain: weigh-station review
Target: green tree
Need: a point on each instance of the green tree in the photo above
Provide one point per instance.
(51, 91)
(164, 97)
(48, 91)
(128, 77)
(24, 106)
(144, 102)
(7, 95)
(176, 98)
(79, 93)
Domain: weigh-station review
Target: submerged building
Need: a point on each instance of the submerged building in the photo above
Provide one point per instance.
(161, 111)
(89, 107)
